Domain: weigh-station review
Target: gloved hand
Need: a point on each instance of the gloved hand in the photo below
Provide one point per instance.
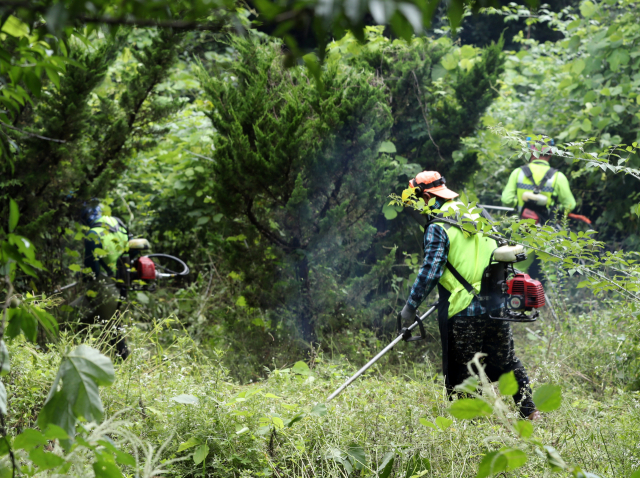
(408, 314)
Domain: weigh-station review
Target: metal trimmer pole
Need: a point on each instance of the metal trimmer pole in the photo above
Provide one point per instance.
(377, 357)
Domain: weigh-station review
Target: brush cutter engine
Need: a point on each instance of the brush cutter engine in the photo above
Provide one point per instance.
(508, 294)
(524, 293)
(140, 272)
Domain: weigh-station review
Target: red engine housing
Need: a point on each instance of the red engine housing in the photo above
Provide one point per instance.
(530, 289)
(146, 268)
(529, 214)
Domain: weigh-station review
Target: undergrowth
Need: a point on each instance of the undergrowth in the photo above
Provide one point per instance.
(278, 426)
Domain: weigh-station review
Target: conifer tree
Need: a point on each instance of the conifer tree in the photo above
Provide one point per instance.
(301, 166)
(74, 142)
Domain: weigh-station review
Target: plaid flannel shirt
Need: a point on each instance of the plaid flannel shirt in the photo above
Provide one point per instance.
(436, 250)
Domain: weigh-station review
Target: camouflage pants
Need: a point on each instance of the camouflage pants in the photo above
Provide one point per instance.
(469, 335)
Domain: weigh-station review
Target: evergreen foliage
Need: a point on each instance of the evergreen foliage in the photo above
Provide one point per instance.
(300, 165)
(74, 142)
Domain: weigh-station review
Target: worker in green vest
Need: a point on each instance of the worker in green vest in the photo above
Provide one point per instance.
(539, 192)
(105, 241)
(537, 189)
(454, 261)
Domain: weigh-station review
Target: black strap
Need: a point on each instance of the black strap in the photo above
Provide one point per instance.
(468, 287)
(529, 175)
(433, 184)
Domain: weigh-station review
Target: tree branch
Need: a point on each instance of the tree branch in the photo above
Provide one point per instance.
(5, 125)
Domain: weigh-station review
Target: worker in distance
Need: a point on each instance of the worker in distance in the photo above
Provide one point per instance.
(455, 261)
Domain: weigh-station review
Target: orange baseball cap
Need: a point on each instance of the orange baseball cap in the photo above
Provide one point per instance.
(434, 183)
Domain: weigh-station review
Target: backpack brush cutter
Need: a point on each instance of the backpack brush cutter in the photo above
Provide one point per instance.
(139, 272)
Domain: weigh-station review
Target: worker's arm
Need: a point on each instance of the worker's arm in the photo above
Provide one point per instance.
(436, 250)
(510, 193)
(565, 197)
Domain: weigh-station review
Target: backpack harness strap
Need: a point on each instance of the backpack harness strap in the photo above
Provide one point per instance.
(537, 187)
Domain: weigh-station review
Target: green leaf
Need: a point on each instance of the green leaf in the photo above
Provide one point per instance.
(384, 470)
(320, 410)
(505, 459)
(21, 321)
(241, 301)
(578, 66)
(106, 469)
(45, 461)
(142, 298)
(636, 474)
(357, 456)
(200, 454)
(467, 408)
(588, 9)
(185, 399)
(191, 442)
(491, 464)
(82, 371)
(54, 432)
(416, 464)
(389, 212)
(15, 27)
(202, 220)
(524, 428)
(427, 423)
(547, 397)
(301, 368)
(507, 384)
(29, 439)
(387, 147)
(443, 423)
(450, 61)
(554, 460)
(14, 215)
(5, 364)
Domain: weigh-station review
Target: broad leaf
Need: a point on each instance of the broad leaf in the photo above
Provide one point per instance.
(547, 397)
(443, 423)
(467, 408)
(106, 469)
(186, 399)
(507, 384)
(384, 470)
(357, 456)
(417, 464)
(80, 374)
(44, 460)
(200, 454)
(320, 410)
(191, 442)
(301, 368)
(524, 428)
(29, 439)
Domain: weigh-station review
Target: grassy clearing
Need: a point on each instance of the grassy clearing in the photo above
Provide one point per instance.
(271, 428)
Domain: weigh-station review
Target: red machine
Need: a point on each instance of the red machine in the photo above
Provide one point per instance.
(146, 268)
(524, 293)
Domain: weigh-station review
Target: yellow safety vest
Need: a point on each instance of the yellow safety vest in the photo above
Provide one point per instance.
(470, 255)
(113, 238)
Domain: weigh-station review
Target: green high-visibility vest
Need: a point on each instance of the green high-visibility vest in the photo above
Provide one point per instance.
(538, 169)
(470, 255)
(113, 239)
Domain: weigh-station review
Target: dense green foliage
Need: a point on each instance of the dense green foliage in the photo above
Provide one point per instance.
(269, 172)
